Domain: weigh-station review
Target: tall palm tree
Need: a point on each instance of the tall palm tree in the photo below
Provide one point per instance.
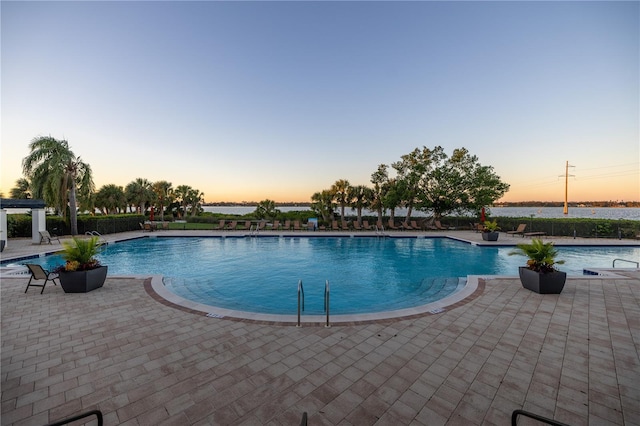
(323, 205)
(181, 194)
(360, 196)
(195, 198)
(164, 192)
(22, 190)
(379, 180)
(57, 175)
(340, 190)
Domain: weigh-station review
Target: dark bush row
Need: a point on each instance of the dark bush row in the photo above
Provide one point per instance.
(19, 225)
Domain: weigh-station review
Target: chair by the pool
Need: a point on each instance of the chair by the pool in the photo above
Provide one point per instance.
(296, 225)
(334, 225)
(287, 225)
(344, 225)
(221, 225)
(357, 226)
(415, 225)
(38, 273)
(406, 226)
(246, 226)
(46, 237)
(366, 226)
(276, 225)
(232, 225)
(519, 230)
(392, 225)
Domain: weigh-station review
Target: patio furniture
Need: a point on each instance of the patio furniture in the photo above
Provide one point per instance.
(46, 237)
(38, 273)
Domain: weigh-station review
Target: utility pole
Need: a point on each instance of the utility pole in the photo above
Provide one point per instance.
(566, 188)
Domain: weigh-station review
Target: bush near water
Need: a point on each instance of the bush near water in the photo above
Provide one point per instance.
(19, 225)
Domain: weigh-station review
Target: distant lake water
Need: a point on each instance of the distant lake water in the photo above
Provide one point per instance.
(628, 213)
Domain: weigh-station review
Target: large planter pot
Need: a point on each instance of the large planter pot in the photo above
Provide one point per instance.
(2, 244)
(549, 283)
(83, 281)
(490, 236)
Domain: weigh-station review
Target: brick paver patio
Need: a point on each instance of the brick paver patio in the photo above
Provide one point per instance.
(572, 357)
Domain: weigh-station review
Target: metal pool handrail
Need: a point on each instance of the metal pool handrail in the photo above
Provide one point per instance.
(625, 260)
(326, 302)
(300, 298)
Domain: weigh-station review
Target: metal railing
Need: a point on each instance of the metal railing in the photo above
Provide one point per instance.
(102, 239)
(66, 421)
(516, 413)
(380, 230)
(326, 302)
(300, 299)
(625, 260)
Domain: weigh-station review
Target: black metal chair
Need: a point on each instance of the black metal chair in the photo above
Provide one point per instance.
(38, 273)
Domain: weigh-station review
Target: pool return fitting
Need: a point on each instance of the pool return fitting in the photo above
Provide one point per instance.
(326, 302)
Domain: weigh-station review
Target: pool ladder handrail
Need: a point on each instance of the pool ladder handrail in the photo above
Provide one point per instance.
(380, 231)
(97, 234)
(254, 231)
(625, 260)
(327, 293)
(300, 298)
(326, 302)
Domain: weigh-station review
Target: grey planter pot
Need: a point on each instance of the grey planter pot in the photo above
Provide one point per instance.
(490, 236)
(550, 283)
(83, 281)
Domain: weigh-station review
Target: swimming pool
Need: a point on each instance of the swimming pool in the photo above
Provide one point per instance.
(365, 274)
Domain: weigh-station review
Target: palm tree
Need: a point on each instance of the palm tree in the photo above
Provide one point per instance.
(379, 180)
(139, 193)
(340, 191)
(360, 196)
(181, 194)
(164, 192)
(195, 198)
(57, 175)
(21, 190)
(111, 199)
(323, 205)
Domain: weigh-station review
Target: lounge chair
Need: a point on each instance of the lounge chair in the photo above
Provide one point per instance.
(261, 225)
(357, 226)
(231, 226)
(46, 237)
(406, 226)
(287, 225)
(519, 230)
(296, 225)
(148, 227)
(392, 225)
(415, 225)
(334, 225)
(366, 226)
(38, 273)
(246, 226)
(311, 226)
(276, 225)
(220, 226)
(344, 225)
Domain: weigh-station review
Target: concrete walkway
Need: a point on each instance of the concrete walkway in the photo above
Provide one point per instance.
(572, 357)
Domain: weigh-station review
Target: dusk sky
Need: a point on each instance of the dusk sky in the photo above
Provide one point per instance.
(278, 100)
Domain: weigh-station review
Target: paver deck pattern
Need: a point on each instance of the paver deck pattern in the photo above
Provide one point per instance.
(572, 357)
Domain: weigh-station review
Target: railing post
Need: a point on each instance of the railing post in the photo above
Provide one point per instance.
(326, 302)
(300, 298)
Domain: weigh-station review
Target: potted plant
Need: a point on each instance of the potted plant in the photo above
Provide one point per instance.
(82, 272)
(490, 230)
(540, 274)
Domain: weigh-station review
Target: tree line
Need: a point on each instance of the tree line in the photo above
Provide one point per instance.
(426, 179)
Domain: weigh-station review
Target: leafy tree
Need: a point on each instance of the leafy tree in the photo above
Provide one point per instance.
(57, 176)
(459, 183)
(411, 171)
(266, 209)
(110, 199)
(139, 194)
(22, 190)
(164, 195)
(323, 205)
(360, 196)
(341, 194)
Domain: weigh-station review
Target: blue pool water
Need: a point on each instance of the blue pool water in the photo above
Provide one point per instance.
(365, 274)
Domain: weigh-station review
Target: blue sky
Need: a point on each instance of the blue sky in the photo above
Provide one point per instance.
(255, 100)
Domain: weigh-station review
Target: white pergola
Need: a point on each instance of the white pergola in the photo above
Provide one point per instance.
(38, 214)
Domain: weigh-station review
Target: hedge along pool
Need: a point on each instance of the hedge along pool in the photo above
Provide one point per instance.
(366, 275)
